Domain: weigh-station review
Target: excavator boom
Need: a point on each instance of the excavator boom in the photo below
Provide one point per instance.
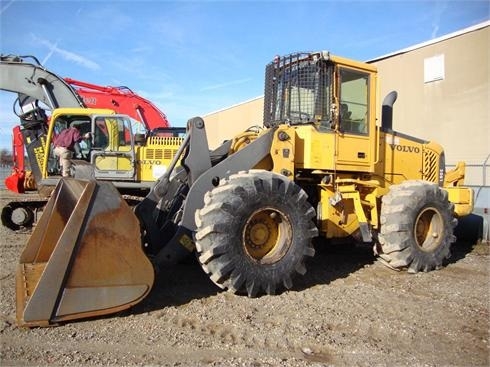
(38, 83)
(121, 99)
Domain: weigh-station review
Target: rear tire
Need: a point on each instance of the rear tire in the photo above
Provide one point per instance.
(416, 226)
(254, 232)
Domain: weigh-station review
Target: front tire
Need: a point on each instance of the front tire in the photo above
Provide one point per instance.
(254, 232)
(416, 226)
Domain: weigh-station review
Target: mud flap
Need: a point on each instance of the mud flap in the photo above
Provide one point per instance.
(83, 259)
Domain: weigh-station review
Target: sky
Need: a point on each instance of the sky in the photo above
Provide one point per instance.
(191, 58)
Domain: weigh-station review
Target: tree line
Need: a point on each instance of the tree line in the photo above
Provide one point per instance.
(6, 158)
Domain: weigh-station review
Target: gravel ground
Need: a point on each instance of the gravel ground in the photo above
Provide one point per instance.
(349, 310)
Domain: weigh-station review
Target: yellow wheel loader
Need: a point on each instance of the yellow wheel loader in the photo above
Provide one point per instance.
(250, 209)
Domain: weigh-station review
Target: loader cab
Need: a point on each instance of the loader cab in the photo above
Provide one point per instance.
(330, 103)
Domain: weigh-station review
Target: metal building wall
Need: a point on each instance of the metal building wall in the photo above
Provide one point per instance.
(443, 95)
(228, 122)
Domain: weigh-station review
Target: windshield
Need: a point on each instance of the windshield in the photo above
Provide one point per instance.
(297, 90)
(138, 127)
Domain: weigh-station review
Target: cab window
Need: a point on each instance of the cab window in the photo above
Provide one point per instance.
(353, 101)
(124, 129)
(101, 133)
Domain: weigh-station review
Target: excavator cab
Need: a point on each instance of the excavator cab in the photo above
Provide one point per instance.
(109, 154)
(114, 151)
(81, 149)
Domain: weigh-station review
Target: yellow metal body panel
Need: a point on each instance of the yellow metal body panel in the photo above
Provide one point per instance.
(153, 159)
(462, 198)
(310, 148)
(315, 150)
(346, 203)
(354, 153)
(283, 151)
(400, 158)
(406, 158)
(336, 221)
(455, 177)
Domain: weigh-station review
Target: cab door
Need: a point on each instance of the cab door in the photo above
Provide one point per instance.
(112, 153)
(355, 140)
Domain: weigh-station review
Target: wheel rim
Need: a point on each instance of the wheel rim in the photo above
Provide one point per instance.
(429, 229)
(22, 216)
(267, 236)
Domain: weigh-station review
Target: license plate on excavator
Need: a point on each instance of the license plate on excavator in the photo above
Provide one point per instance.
(83, 259)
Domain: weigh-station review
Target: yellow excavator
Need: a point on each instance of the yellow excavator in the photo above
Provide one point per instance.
(130, 153)
(250, 209)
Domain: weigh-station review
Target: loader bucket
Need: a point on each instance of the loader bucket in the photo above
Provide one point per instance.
(83, 259)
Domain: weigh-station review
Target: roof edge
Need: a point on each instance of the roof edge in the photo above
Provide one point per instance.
(233, 106)
(433, 41)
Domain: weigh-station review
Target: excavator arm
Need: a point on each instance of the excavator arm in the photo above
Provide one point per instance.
(33, 80)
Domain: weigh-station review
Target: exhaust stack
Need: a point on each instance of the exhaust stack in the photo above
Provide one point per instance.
(387, 111)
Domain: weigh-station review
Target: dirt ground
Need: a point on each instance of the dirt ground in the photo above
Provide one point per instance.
(349, 310)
